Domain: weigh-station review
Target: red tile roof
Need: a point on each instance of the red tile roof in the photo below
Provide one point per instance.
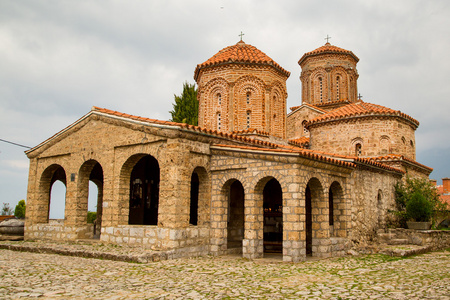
(300, 142)
(327, 49)
(443, 195)
(308, 105)
(240, 53)
(396, 157)
(361, 109)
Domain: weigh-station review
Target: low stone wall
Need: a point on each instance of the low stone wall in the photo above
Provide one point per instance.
(181, 242)
(435, 239)
(56, 230)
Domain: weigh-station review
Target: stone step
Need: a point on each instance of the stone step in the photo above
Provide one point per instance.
(398, 242)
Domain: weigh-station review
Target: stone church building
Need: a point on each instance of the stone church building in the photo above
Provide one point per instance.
(249, 179)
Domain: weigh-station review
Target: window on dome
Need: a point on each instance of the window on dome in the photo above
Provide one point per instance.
(320, 88)
(248, 119)
(358, 149)
(219, 121)
(337, 88)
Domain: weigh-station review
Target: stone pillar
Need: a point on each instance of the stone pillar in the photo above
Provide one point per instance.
(294, 237)
(174, 186)
(253, 243)
(219, 213)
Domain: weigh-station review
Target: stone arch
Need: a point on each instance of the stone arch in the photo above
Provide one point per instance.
(48, 177)
(139, 178)
(339, 84)
(337, 210)
(385, 144)
(90, 170)
(357, 147)
(208, 103)
(319, 86)
(249, 96)
(316, 221)
(278, 110)
(199, 212)
(229, 202)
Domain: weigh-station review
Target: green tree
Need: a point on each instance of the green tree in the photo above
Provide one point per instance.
(418, 199)
(185, 109)
(19, 211)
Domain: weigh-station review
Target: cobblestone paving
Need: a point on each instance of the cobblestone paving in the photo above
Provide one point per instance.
(51, 276)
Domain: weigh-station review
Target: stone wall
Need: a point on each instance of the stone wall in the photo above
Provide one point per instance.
(377, 136)
(253, 171)
(372, 197)
(435, 239)
(294, 122)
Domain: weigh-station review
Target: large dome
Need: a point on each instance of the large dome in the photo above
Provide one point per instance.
(239, 53)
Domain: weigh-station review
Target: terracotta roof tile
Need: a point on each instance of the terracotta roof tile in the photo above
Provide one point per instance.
(307, 154)
(240, 53)
(301, 142)
(192, 128)
(308, 105)
(361, 109)
(326, 49)
(394, 157)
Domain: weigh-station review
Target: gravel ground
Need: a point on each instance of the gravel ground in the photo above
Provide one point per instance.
(50, 276)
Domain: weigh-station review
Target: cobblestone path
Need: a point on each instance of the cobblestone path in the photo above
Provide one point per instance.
(51, 276)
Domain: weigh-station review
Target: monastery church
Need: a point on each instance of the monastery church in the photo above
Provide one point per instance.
(250, 179)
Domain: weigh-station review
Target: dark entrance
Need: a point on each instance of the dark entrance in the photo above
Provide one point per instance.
(144, 192)
(308, 220)
(235, 224)
(273, 217)
(193, 213)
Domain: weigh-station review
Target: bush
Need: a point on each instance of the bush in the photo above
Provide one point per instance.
(19, 211)
(417, 199)
(91, 216)
(418, 208)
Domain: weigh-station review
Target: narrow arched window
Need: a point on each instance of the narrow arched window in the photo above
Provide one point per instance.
(320, 88)
(305, 130)
(337, 87)
(248, 98)
(219, 121)
(219, 99)
(248, 119)
(358, 149)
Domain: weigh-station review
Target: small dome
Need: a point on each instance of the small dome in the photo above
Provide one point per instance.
(327, 49)
(239, 53)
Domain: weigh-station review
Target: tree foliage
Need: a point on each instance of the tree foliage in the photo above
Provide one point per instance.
(19, 211)
(185, 108)
(417, 199)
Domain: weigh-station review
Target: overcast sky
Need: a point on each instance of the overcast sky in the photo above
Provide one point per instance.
(60, 58)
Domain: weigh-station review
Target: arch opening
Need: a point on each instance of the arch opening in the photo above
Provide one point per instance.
(193, 210)
(56, 192)
(144, 192)
(235, 224)
(273, 217)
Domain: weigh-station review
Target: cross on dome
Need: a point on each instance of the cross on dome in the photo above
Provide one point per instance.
(241, 35)
(327, 38)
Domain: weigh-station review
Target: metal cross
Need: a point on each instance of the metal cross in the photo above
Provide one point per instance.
(359, 96)
(241, 35)
(327, 38)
